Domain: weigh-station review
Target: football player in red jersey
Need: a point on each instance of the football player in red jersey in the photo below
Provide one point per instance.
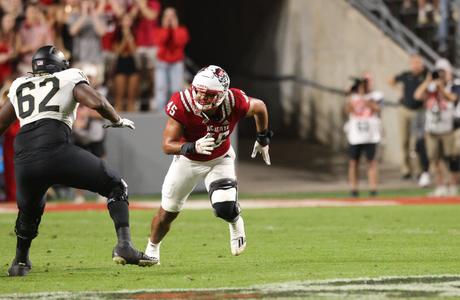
(197, 133)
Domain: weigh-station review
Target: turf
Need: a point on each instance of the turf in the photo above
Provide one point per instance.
(72, 252)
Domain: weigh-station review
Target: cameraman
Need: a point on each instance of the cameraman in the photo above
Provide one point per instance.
(411, 119)
(439, 102)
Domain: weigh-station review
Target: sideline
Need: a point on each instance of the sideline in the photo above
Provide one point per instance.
(252, 203)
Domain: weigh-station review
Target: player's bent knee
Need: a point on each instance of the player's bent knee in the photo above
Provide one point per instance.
(223, 196)
(119, 192)
(27, 226)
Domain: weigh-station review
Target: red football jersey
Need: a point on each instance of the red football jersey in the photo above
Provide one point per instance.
(196, 124)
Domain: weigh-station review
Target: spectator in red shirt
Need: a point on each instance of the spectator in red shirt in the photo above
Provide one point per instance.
(169, 71)
(146, 13)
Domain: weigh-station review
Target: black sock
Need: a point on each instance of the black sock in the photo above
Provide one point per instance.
(124, 235)
(119, 213)
(22, 249)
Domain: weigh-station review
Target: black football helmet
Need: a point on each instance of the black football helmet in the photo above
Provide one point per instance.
(49, 59)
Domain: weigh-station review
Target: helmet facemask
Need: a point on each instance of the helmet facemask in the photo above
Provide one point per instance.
(209, 87)
(207, 99)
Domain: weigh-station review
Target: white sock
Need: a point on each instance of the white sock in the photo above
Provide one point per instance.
(153, 250)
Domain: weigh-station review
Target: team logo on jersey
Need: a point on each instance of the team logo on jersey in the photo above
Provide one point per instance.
(217, 129)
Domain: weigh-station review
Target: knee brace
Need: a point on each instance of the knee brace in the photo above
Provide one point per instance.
(119, 192)
(454, 164)
(224, 199)
(27, 225)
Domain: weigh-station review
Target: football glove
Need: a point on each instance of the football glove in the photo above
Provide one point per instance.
(205, 145)
(263, 139)
(121, 123)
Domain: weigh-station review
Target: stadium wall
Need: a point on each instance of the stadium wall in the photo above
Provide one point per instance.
(324, 42)
(138, 155)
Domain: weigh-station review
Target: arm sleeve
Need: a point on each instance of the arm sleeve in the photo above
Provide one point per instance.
(76, 76)
(181, 36)
(160, 35)
(175, 109)
(400, 77)
(241, 102)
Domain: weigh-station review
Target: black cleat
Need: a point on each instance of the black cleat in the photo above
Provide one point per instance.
(19, 268)
(126, 254)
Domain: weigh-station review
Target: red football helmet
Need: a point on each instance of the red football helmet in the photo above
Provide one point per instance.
(209, 87)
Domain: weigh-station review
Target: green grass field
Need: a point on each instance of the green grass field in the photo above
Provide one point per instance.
(73, 249)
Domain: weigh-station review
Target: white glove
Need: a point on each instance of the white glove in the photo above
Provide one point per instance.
(263, 150)
(205, 145)
(122, 123)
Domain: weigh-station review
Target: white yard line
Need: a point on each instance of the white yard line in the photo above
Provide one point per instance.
(369, 288)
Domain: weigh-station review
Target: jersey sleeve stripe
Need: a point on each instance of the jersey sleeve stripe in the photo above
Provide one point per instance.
(223, 113)
(81, 81)
(227, 106)
(245, 97)
(232, 98)
(183, 101)
(188, 97)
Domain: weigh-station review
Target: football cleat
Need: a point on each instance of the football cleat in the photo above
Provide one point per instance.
(19, 268)
(125, 254)
(237, 237)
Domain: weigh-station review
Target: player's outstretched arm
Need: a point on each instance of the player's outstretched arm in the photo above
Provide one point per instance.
(258, 110)
(88, 96)
(7, 116)
(172, 143)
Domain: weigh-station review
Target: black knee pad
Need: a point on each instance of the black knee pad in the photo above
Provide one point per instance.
(454, 164)
(229, 210)
(119, 192)
(224, 199)
(27, 225)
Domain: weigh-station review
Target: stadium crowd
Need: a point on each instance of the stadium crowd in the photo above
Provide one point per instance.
(131, 50)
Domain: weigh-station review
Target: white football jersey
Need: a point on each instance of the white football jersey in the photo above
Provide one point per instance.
(48, 96)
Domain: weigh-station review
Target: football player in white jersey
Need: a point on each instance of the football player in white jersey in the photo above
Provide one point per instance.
(45, 103)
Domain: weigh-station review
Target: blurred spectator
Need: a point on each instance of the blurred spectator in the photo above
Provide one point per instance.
(8, 151)
(169, 73)
(363, 131)
(34, 32)
(146, 13)
(89, 134)
(126, 73)
(445, 10)
(87, 26)
(424, 8)
(12, 7)
(88, 131)
(412, 118)
(7, 47)
(436, 94)
(56, 17)
(113, 11)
